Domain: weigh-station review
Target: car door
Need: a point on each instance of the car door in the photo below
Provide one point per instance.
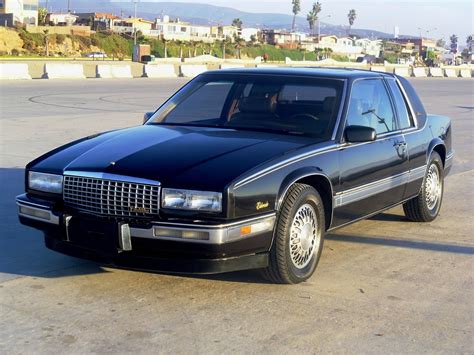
(373, 174)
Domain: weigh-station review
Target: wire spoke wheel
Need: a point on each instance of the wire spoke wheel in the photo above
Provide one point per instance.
(433, 186)
(304, 238)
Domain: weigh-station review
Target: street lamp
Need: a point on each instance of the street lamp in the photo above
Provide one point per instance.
(319, 27)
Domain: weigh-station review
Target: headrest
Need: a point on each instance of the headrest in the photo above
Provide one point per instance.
(257, 105)
(328, 104)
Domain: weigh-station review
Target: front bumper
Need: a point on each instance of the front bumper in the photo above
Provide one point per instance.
(156, 246)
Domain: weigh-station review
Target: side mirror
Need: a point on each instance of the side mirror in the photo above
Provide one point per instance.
(147, 116)
(357, 134)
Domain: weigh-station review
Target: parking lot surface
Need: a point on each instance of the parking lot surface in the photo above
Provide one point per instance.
(384, 285)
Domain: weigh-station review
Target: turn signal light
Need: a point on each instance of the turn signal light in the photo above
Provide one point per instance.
(245, 230)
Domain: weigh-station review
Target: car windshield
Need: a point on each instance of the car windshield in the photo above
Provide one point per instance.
(283, 104)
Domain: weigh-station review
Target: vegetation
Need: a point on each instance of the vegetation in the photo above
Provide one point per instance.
(112, 44)
(351, 16)
(312, 16)
(42, 13)
(237, 22)
(296, 10)
(454, 42)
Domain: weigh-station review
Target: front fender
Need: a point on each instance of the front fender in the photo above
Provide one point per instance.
(297, 175)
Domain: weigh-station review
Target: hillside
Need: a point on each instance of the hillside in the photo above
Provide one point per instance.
(203, 14)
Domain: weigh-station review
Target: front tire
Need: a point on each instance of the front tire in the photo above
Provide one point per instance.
(425, 207)
(299, 237)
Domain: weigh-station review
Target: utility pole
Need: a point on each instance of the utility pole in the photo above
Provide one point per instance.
(134, 19)
(68, 5)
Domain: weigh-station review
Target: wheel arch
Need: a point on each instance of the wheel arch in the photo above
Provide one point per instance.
(318, 180)
(438, 146)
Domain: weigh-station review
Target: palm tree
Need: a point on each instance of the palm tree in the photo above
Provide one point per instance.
(312, 16)
(46, 41)
(351, 16)
(237, 22)
(239, 43)
(296, 10)
(454, 43)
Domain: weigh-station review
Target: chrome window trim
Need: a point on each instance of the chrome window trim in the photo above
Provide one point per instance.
(405, 96)
(341, 111)
(112, 177)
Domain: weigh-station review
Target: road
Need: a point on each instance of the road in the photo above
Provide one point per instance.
(383, 285)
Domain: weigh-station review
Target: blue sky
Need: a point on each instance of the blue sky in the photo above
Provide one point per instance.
(448, 16)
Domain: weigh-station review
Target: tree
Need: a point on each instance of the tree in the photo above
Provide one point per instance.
(440, 43)
(351, 16)
(312, 16)
(42, 14)
(454, 43)
(46, 41)
(296, 10)
(237, 22)
(239, 43)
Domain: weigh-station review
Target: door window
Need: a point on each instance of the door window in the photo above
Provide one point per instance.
(370, 106)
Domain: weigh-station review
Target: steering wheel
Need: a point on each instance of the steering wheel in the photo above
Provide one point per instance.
(303, 115)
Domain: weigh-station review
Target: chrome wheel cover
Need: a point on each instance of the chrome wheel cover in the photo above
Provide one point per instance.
(304, 238)
(433, 187)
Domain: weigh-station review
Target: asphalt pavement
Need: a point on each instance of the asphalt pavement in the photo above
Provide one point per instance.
(384, 285)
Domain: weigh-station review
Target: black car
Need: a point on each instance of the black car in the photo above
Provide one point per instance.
(243, 169)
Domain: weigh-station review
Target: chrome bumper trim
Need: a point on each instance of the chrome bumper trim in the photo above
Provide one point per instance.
(28, 210)
(206, 234)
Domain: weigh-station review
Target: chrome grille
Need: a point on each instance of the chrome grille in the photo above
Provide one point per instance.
(111, 197)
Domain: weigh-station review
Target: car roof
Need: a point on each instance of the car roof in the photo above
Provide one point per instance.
(341, 73)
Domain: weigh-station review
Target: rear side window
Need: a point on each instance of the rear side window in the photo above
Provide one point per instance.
(370, 106)
(404, 117)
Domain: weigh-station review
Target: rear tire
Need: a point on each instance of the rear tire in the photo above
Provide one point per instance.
(299, 237)
(425, 207)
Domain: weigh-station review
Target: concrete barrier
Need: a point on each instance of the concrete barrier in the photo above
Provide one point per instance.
(436, 72)
(159, 71)
(465, 73)
(105, 71)
(266, 65)
(402, 71)
(450, 73)
(190, 71)
(63, 71)
(231, 66)
(420, 72)
(14, 71)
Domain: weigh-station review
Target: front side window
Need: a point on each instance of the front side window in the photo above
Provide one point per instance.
(404, 117)
(299, 106)
(370, 106)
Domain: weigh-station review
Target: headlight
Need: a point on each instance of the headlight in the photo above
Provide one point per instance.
(192, 200)
(45, 182)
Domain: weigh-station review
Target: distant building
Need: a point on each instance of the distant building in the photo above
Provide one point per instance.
(248, 33)
(419, 45)
(98, 21)
(130, 25)
(21, 11)
(277, 37)
(65, 19)
(396, 32)
(176, 30)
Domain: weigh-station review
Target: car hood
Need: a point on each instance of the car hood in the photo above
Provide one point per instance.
(177, 156)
